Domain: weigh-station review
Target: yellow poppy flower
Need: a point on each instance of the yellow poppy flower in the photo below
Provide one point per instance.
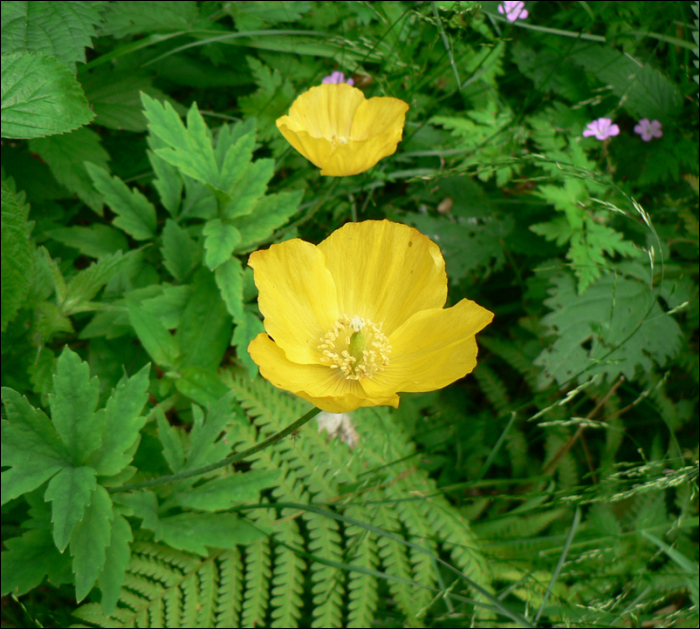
(360, 317)
(337, 129)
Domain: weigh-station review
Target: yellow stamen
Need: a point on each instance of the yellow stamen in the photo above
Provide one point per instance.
(355, 346)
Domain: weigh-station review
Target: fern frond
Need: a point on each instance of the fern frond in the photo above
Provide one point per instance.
(228, 604)
(362, 588)
(288, 576)
(258, 573)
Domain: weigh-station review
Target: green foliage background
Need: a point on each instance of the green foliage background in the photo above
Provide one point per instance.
(555, 486)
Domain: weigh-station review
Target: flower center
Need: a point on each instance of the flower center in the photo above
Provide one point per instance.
(355, 346)
(336, 140)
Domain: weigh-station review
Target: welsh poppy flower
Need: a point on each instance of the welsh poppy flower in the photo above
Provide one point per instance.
(336, 128)
(359, 318)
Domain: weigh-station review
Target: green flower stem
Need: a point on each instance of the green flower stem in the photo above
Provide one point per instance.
(234, 458)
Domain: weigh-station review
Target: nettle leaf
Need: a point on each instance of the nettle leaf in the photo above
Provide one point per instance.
(17, 254)
(229, 279)
(60, 29)
(34, 87)
(67, 154)
(269, 213)
(618, 317)
(31, 447)
(118, 556)
(135, 213)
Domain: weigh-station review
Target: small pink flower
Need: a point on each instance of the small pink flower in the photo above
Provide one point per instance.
(337, 77)
(602, 129)
(513, 10)
(648, 130)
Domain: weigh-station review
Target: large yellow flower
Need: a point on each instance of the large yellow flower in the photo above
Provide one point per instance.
(337, 129)
(360, 317)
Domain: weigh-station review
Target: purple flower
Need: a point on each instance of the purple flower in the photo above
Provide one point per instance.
(602, 129)
(648, 130)
(337, 77)
(513, 10)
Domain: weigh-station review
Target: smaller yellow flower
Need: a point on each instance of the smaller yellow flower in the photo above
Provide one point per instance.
(360, 317)
(337, 129)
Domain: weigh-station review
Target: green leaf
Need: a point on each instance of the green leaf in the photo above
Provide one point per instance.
(169, 305)
(67, 154)
(73, 403)
(270, 212)
(168, 181)
(34, 87)
(173, 450)
(70, 492)
(31, 557)
(161, 346)
(180, 252)
(621, 320)
(31, 447)
(195, 532)
(204, 447)
(250, 187)
(246, 330)
(643, 90)
(60, 29)
(123, 423)
(224, 493)
(17, 254)
(95, 241)
(205, 330)
(200, 385)
(118, 556)
(229, 279)
(252, 16)
(221, 240)
(90, 540)
(87, 283)
(135, 213)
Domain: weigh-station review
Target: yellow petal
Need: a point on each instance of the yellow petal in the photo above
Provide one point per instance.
(341, 132)
(324, 387)
(385, 272)
(431, 350)
(297, 297)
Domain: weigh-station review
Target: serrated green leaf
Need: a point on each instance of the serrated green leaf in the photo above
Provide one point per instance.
(169, 305)
(250, 187)
(95, 241)
(118, 556)
(204, 447)
(60, 29)
(31, 557)
(31, 447)
(135, 213)
(173, 450)
(221, 240)
(123, 423)
(34, 87)
(224, 493)
(87, 283)
(195, 532)
(205, 329)
(621, 320)
(70, 492)
(73, 403)
(180, 252)
(17, 254)
(229, 279)
(90, 540)
(270, 212)
(161, 346)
